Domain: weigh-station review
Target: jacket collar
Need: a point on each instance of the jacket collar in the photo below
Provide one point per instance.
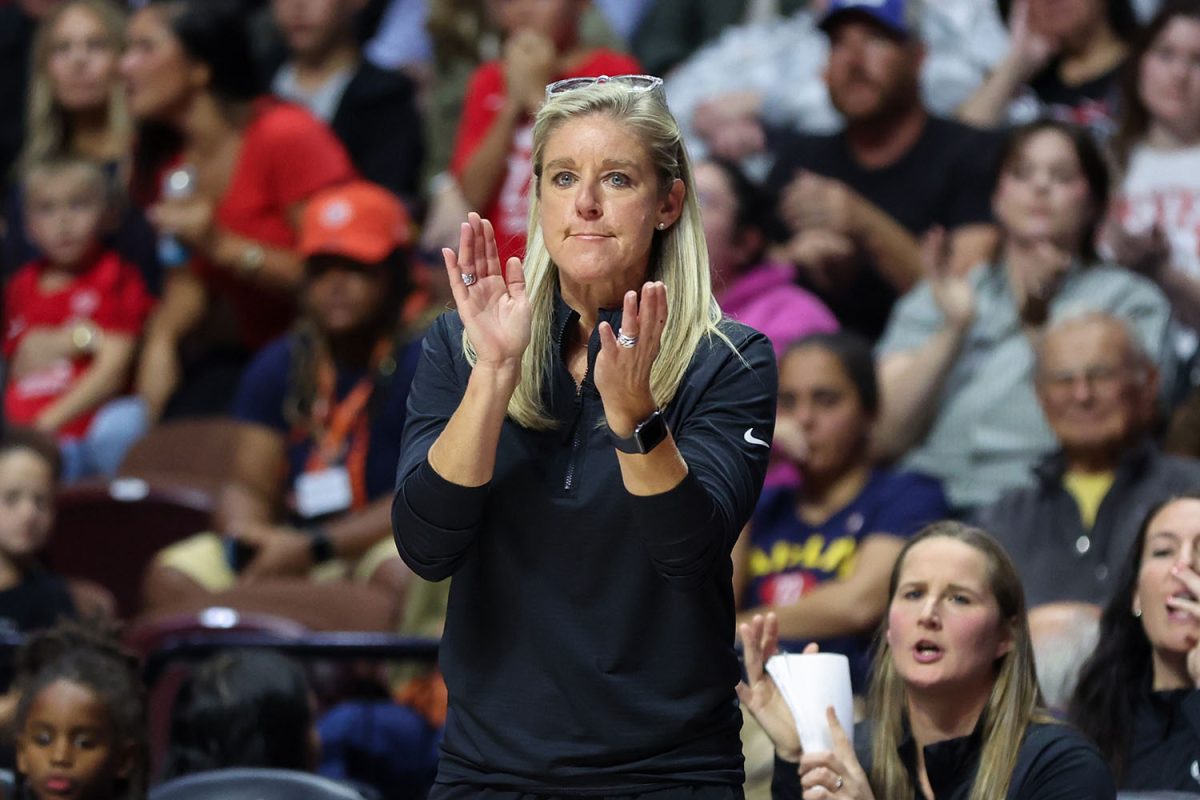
(950, 764)
(564, 318)
(1134, 461)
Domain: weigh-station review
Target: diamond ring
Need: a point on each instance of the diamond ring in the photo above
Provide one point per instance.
(840, 783)
(625, 340)
(468, 278)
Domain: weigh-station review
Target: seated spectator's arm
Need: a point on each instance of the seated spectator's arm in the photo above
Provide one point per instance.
(40, 347)
(909, 383)
(1184, 291)
(849, 605)
(254, 493)
(103, 379)
(895, 252)
(1150, 254)
(971, 244)
(158, 372)
(1028, 53)
(272, 267)
(481, 176)
(355, 533)
(910, 378)
(528, 66)
(812, 202)
(285, 550)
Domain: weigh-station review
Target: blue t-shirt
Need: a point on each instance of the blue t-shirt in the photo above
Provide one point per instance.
(260, 399)
(788, 557)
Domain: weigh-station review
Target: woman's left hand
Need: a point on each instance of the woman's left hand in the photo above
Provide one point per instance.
(835, 773)
(622, 372)
(1191, 581)
(1035, 285)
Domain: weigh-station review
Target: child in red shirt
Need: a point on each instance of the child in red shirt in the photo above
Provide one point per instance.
(73, 316)
(493, 152)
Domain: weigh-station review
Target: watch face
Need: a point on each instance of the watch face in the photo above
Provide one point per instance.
(651, 432)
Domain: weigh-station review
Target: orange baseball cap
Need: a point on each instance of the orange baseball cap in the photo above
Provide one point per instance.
(358, 220)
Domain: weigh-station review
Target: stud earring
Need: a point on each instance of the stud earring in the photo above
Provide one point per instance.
(1137, 613)
(662, 226)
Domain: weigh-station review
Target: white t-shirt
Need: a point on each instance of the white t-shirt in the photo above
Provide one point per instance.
(1163, 189)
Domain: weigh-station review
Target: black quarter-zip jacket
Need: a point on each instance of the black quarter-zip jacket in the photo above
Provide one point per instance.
(1055, 762)
(589, 636)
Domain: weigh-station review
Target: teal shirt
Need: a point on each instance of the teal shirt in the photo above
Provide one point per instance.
(989, 430)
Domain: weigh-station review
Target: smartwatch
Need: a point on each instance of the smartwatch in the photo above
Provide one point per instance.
(84, 338)
(252, 259)
(647, 435)
(319, 544)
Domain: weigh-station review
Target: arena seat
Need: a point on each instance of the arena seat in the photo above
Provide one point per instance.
(108, 531)
(253, 784)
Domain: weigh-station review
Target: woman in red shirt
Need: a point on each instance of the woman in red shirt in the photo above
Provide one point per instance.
(252, 163)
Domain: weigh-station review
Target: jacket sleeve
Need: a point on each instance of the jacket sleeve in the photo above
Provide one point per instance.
(434, 521)
(724, 437)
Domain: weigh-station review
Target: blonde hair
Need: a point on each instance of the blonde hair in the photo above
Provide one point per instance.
(47, 129)
(68, 166)
(1015, 699)
(678, 257)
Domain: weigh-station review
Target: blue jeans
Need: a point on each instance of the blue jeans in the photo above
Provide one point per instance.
(116, 426)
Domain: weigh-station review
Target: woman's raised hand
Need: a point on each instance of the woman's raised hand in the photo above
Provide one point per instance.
(490, 299)
(1030, 48)
(1147, 252)
(758, 693)
(1191, 581)
(1036, 282)
(951, 292)
(622, 371)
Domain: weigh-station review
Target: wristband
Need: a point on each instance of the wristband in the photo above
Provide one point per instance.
(319, 546)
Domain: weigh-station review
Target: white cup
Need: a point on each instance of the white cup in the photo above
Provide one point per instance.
(810, 683)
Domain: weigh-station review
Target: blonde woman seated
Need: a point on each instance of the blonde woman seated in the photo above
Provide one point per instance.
(954, 709)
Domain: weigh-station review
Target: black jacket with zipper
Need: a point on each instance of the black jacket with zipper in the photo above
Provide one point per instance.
(589, 638)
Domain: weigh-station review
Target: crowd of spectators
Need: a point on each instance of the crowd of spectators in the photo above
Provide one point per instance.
(971, 231)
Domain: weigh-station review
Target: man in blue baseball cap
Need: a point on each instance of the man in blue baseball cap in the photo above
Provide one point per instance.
(898, 16)
(853, 205)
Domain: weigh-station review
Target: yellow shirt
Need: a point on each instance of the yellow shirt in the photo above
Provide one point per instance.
(1088, 489)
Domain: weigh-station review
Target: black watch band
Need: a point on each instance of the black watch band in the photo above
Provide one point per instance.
(319, 544)
(647, 435)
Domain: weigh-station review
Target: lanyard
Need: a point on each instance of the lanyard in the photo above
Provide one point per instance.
(333, 422)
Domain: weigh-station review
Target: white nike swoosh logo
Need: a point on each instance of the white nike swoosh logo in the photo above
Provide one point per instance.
(752, 439)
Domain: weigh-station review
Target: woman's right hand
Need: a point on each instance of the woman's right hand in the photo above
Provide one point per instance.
(1030, 50)
(1147, 252)
(952, 292)
(529, 60)
(758, 693)
(494, 308)
(1191, 581)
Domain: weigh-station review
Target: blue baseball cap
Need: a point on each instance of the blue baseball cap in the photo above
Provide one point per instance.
(895, 15)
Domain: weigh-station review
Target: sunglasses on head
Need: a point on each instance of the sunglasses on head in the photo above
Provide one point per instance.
(636, 83)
